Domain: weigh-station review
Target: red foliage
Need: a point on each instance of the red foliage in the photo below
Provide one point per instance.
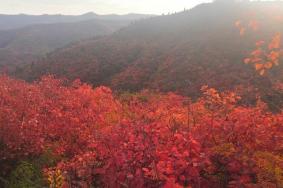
(141, 140)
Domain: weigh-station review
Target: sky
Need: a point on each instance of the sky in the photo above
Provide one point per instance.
(75, 7)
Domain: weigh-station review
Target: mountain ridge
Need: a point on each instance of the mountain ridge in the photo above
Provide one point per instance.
(45, 33)
(179, 52)
(8, 22)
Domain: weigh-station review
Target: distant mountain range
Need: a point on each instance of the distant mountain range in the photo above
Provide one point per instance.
(41, 38)
(179, 52)
(17, 21)
(23, 38)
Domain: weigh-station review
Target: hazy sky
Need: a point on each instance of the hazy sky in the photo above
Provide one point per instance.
(98, 6)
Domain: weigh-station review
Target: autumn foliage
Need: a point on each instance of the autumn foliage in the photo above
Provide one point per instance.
(265, 56)
(82, 137)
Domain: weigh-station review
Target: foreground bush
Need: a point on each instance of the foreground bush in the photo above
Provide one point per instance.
(70, 135)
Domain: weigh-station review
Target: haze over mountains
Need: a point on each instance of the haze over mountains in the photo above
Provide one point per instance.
(179, 52)
(191, 99)
(17, 21)
(25, 37)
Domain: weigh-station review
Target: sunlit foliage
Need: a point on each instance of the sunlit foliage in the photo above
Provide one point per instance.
(265, 56)
(90, 137)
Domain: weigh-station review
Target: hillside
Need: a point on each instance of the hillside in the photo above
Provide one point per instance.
(39, 39)
(186, 100)
(179, 52)
(25, 44)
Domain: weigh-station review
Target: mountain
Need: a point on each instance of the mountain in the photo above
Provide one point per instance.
(25, 44)
(179, 52)
(8, 22)
(39, 39)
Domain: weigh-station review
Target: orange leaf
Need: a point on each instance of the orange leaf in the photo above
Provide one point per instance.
(262, 72)
(274, 55)
(275, 43)
(268, 65)
(238, 23)
(258, 66)
(242, 31)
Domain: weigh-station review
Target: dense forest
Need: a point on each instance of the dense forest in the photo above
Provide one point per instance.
(186, 100)
(64, 134)
(179, 52)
